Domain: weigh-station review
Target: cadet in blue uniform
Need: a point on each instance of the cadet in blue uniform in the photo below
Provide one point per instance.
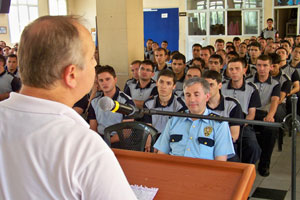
(197, 138)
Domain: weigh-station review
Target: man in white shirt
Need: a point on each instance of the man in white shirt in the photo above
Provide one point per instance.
(47, 149)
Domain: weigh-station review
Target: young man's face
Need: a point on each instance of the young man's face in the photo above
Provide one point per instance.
(178, 66)
(195, 98)
(135, 70)
(236, 71)
(106, 82)
(296, 54)
(214, 64)
(145, 72)
(149, 44)
(192, 73)
(254, 52)
(214, 87)
(286, 46)
(165, 86)
(242, 50)
(297, 41)
(11, 63)
(263, 67)
(236, 43)
(6, 51)
(205, 54)
(219, 46)
(270, 23)
(275, 69)
(282, 53)
(164, 45)
(196, 51)
(160, 57)
(263, 43)
(270, 48)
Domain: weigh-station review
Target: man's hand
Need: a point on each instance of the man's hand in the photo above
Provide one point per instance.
(269, 119)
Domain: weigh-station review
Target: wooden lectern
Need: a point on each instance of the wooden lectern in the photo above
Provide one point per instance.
(187, 178)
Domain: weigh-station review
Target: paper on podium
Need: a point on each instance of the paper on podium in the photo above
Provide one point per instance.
(144, 193)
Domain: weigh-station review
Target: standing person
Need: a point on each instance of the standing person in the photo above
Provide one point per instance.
(269, 31)
(205, 54)
(148, 53)
(197, 138)
(61, 158)
(12, 65)
(178, 67)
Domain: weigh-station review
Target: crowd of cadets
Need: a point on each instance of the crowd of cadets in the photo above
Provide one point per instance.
(253, 79)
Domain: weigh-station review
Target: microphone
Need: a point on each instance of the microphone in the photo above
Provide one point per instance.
(107, 104)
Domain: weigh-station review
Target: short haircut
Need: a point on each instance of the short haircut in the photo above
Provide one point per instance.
(168, 73)
(155, 43)
(211, 48)
(297, 36)
(220, 41)
(270, 19)
(265, 58)
(3, 59)
(255, 44)
(214, 75)
(206, 48)
(283, 49)
(148, 62)
(196, 45)
(263, 39)
(12, 56)
(233, 53)
(165, 41)
(150, 40)
(229, 42)
(223, 51)
(108, 69)
(195, 80)
(200, 60)
(275, 58)
(243, 43)
(236, 39)
(195, 67)
(297, 46)
(47, 46)
(240, 60)
(230, 47)
(179, 56)
(162, 49)
(269, 38)
(285, 41)
(216, 56)
(174, 52)
(136, 62)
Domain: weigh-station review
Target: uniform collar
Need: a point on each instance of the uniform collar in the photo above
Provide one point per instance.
(30, 104)
(158, 104)
(267, 81)
(206, 113)
(116, 95)
(182, 78)
(220, 106)
(243, 88)
(156, 68)
(278, 75)
(138, 86)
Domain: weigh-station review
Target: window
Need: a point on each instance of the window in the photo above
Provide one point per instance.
(225, 17)
(57, 7)
(22, 12)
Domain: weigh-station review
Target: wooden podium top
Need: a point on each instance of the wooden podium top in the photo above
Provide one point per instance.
(187, 178)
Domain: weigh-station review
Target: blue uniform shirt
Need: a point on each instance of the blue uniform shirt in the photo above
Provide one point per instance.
(201, 138)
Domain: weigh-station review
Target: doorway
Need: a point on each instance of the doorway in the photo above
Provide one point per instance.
(286, 21)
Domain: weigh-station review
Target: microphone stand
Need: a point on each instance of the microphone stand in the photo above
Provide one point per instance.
(287, 123)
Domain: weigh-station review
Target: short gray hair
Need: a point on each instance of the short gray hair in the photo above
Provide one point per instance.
(194, 80)
(47, 46)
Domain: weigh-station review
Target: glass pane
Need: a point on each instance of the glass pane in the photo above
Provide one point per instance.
(24, 20)
(62, 7)
(197, 23)
(33, 13)
(251, 22)
(196, 4)
(234, 23)
(22, 1)
(234, 3)
(286, 3)
(32, 2)
(252, 3)
(217, 23)
(14, 24)
(14, 2)
(217, 4)
(53, 7)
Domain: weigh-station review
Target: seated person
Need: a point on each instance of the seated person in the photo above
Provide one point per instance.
(8, 83)
(98, 118)
(165, 100)
(215, 62)
(197, 138)
(134, 68)
(12, 65)
(145, 87)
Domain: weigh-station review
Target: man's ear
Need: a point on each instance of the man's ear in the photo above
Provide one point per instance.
(69, 76)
